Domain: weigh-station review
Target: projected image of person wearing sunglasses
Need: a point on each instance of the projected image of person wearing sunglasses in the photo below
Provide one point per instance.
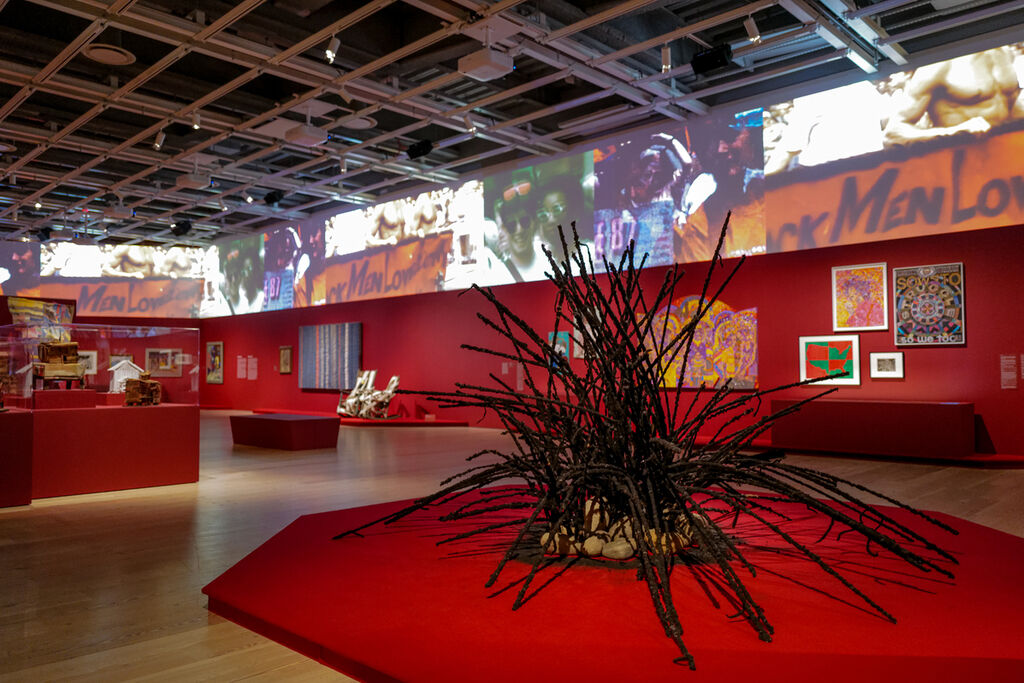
(515, 241)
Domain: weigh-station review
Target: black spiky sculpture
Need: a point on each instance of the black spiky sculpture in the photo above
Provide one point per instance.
(605, 448)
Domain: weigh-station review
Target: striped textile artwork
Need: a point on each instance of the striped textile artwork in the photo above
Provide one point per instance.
(329, 355)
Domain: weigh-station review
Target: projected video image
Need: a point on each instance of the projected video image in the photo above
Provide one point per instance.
(240, 286)
(19, 267)
(935, 149)
(671, 190)
(524, 209)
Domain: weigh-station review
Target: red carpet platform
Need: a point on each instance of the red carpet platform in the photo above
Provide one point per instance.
(394, 606)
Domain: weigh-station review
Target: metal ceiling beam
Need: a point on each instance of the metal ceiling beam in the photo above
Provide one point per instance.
(868, 29)
(954, 22)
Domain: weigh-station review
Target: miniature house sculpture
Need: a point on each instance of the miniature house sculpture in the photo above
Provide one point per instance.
(120, 371)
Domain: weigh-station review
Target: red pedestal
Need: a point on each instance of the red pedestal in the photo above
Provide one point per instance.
(393, 605)
(916, 429)
(105, 398)
(51, 399)
(285, 432)
(15, 458)
(113, 448)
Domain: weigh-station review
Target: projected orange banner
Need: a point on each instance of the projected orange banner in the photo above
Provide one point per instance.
(127, 297)
(969, 186)
(413, 267)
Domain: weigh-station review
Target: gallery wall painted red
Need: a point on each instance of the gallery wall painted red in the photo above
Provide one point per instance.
(418, 337)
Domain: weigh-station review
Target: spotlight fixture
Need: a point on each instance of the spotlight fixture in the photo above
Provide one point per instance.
(181, 228)
(753, 34)
(38, 205)
(195, 120)
(158, 142)
(248, 198)
(420, 149)
(274, 197)
(470, 126)
(666, 58)
(332, 49)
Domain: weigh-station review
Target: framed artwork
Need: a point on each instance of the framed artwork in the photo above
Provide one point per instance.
(860, 298)
(116, 358)
(724, 345)
(163, 362)
(284, 361)
(329, 355)
(89, 358)
(887, 365)
(929, 304)
(560, 341)
(215, 362)
(829, 356)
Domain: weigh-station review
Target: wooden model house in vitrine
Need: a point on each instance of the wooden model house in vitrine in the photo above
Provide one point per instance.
(58, 361)
(142, 391)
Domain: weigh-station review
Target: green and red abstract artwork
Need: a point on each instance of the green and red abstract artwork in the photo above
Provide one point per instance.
(834, 357)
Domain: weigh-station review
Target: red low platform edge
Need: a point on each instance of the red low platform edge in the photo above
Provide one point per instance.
(394, 606)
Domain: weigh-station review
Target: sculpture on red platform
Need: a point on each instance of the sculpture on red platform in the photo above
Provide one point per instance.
(58, 362)
(142, 391)
(611, 467)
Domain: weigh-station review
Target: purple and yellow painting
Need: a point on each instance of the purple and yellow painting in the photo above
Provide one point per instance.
(724, 345)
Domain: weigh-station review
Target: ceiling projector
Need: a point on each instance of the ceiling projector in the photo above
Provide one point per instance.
(194, 181)
(306, 135)
(485, 64)
(118, 212)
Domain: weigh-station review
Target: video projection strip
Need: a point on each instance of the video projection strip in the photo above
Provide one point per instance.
(894, 158)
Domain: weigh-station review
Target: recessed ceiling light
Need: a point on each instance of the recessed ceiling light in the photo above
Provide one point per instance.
(360, 123)
(108, 54)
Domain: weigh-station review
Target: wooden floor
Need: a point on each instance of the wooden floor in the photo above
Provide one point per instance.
(106, 587)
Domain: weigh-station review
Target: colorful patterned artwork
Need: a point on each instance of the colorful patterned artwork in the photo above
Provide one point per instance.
(929, 304)
(836, 357)
(860, 298)
(724, 347)
(329, 355)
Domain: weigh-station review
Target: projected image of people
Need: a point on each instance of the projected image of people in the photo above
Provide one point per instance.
(726, 176)
(969, 94)
(19, 267)
(282, 260)
(524, 209)
(241, 263)
(640, 187)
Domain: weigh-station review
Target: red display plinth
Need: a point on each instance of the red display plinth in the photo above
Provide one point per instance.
(395, 606)
(55, 399)
(106, 398)
(285, 432)
(113, 448)
(913, 429)
(15, 457)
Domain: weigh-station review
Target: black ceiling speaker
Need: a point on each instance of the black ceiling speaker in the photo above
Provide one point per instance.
(711, 59)
(44, 234)
(273, 197)
(181, 228)
(420, 149)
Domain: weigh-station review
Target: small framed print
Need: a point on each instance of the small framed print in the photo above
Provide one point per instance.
(887, 365)
(284, 360)
(88, 358)
(163, 362)
(829, 357)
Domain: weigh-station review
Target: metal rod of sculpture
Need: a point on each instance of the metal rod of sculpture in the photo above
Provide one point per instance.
(605, 435)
